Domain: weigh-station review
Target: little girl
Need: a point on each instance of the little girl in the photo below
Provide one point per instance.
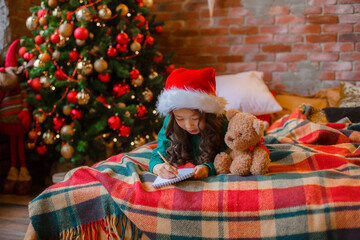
(194, 127)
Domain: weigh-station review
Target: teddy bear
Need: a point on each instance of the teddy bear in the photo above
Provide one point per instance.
(246, 154)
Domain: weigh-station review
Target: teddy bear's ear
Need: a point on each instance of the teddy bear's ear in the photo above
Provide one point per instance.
(231, 113)
(259, 127)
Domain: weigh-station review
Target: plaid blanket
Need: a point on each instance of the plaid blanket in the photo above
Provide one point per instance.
(312, 191)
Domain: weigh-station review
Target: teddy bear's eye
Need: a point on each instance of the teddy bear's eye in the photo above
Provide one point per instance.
(240, 134)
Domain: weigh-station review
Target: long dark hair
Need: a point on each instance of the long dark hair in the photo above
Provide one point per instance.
(180, 151)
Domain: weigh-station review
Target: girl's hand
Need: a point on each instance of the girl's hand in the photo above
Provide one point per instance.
(201, 171)
(164, 170)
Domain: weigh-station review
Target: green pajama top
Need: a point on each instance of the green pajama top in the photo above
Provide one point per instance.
(164, 143)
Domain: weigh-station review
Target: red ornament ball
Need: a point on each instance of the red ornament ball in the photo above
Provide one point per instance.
(134, 74)
(158, 29)
(76, 114)
(35, 84)
(122, 38)
(81, 33)
(140, 19)
(22, 51)
(73, 56)
(38, 97)
(58, 122)
(41, 150)
(69, 16)
(55, 38)
(121, 47)
(114, 122)
(41, 13)
(158, 57)
(124, 131)
(28, 56)
(120, 89)
(111, 52)
(141, 111)
(149, 40)
(169, 68)
(104, 77)
(72, 97)
(59, 74)
(102, 99)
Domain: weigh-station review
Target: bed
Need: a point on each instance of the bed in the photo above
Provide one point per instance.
(312, 191)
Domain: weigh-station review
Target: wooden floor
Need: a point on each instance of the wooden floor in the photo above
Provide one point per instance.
(14, 217)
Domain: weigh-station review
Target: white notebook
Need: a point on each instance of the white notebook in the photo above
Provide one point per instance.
(184, 173)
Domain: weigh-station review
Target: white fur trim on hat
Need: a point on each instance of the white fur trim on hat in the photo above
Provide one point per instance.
(176, 98)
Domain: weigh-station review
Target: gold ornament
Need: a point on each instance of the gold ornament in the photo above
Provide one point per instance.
(148, 95)
(48, 137)
(52, 3)
(153, 75)
(43, 21)
(32, 23)
(66, 110)
(62, 42)
(56, 12)
(138, 81)
(80, 42)
(40, 117)
(84, 67)
(121, 105)
(100, 65)
(30, 145)
(44, 80)
(127, 114)
(148, 3)
(67, 151)
(105, 13)
(56, 55)
(135, 46)
(67, 130)
(45, 57)
(83, 14)
(123, 8)
(83, 97)
(38, 63)
(66, 29)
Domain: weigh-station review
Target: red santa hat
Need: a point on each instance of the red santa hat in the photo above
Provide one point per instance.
(194, 89)
(11, 56)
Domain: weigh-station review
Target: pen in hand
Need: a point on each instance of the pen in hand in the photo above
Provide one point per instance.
(163, 158)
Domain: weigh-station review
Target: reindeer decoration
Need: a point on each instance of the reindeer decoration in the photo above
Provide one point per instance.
(14, 121)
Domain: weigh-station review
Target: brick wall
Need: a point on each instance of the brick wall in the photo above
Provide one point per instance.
(327, 34)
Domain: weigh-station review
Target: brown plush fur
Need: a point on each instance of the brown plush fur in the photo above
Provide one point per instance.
(244, 131)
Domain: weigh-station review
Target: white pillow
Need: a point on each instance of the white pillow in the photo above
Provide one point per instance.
(247, 92)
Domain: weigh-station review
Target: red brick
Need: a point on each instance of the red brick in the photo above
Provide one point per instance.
(279, 10)
(230, 58)
(273, 67)
(274, 29)
(305, 29)
(191, 5)
(259, 21)
(306, 47)
(225, 40)
(213, 31)
(196, 42)
(337, 28)
(351, 76)
(289, 19)
(240, 67)
(161, 16)
(327, 76)
(276, 48)
(216, 50)
(217, 13)
(244, 30)
(338, 9)
(338, 47)
(357, 28)
(349, 37)
(357, 8)
(238, 11)
(201, 59)
(349, 18)
(323, 56)
(185, 33)
(336, 66)
(267, 79)
(312, 10)
(321, 38)
(250, 57)
(258, 39)
(358, 47)
(189, 51)
(350, 56)
(229, 21)
(321, 2)
(181, 15)
(248, 48)
(348, 1)
(170, 7)
(228, 3)
(290, 57)
(197, 23)
(173, 25)
(322, 19)
(288, 38)
(357, 66)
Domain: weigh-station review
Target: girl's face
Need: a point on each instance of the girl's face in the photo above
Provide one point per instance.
(189, 120)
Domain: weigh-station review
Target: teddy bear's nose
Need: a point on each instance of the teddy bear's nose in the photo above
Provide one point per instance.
(230, 139)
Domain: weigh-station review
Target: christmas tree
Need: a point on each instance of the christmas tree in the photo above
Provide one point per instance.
(95, 77)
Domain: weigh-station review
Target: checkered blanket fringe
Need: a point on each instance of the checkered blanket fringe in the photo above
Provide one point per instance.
(312, 191)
